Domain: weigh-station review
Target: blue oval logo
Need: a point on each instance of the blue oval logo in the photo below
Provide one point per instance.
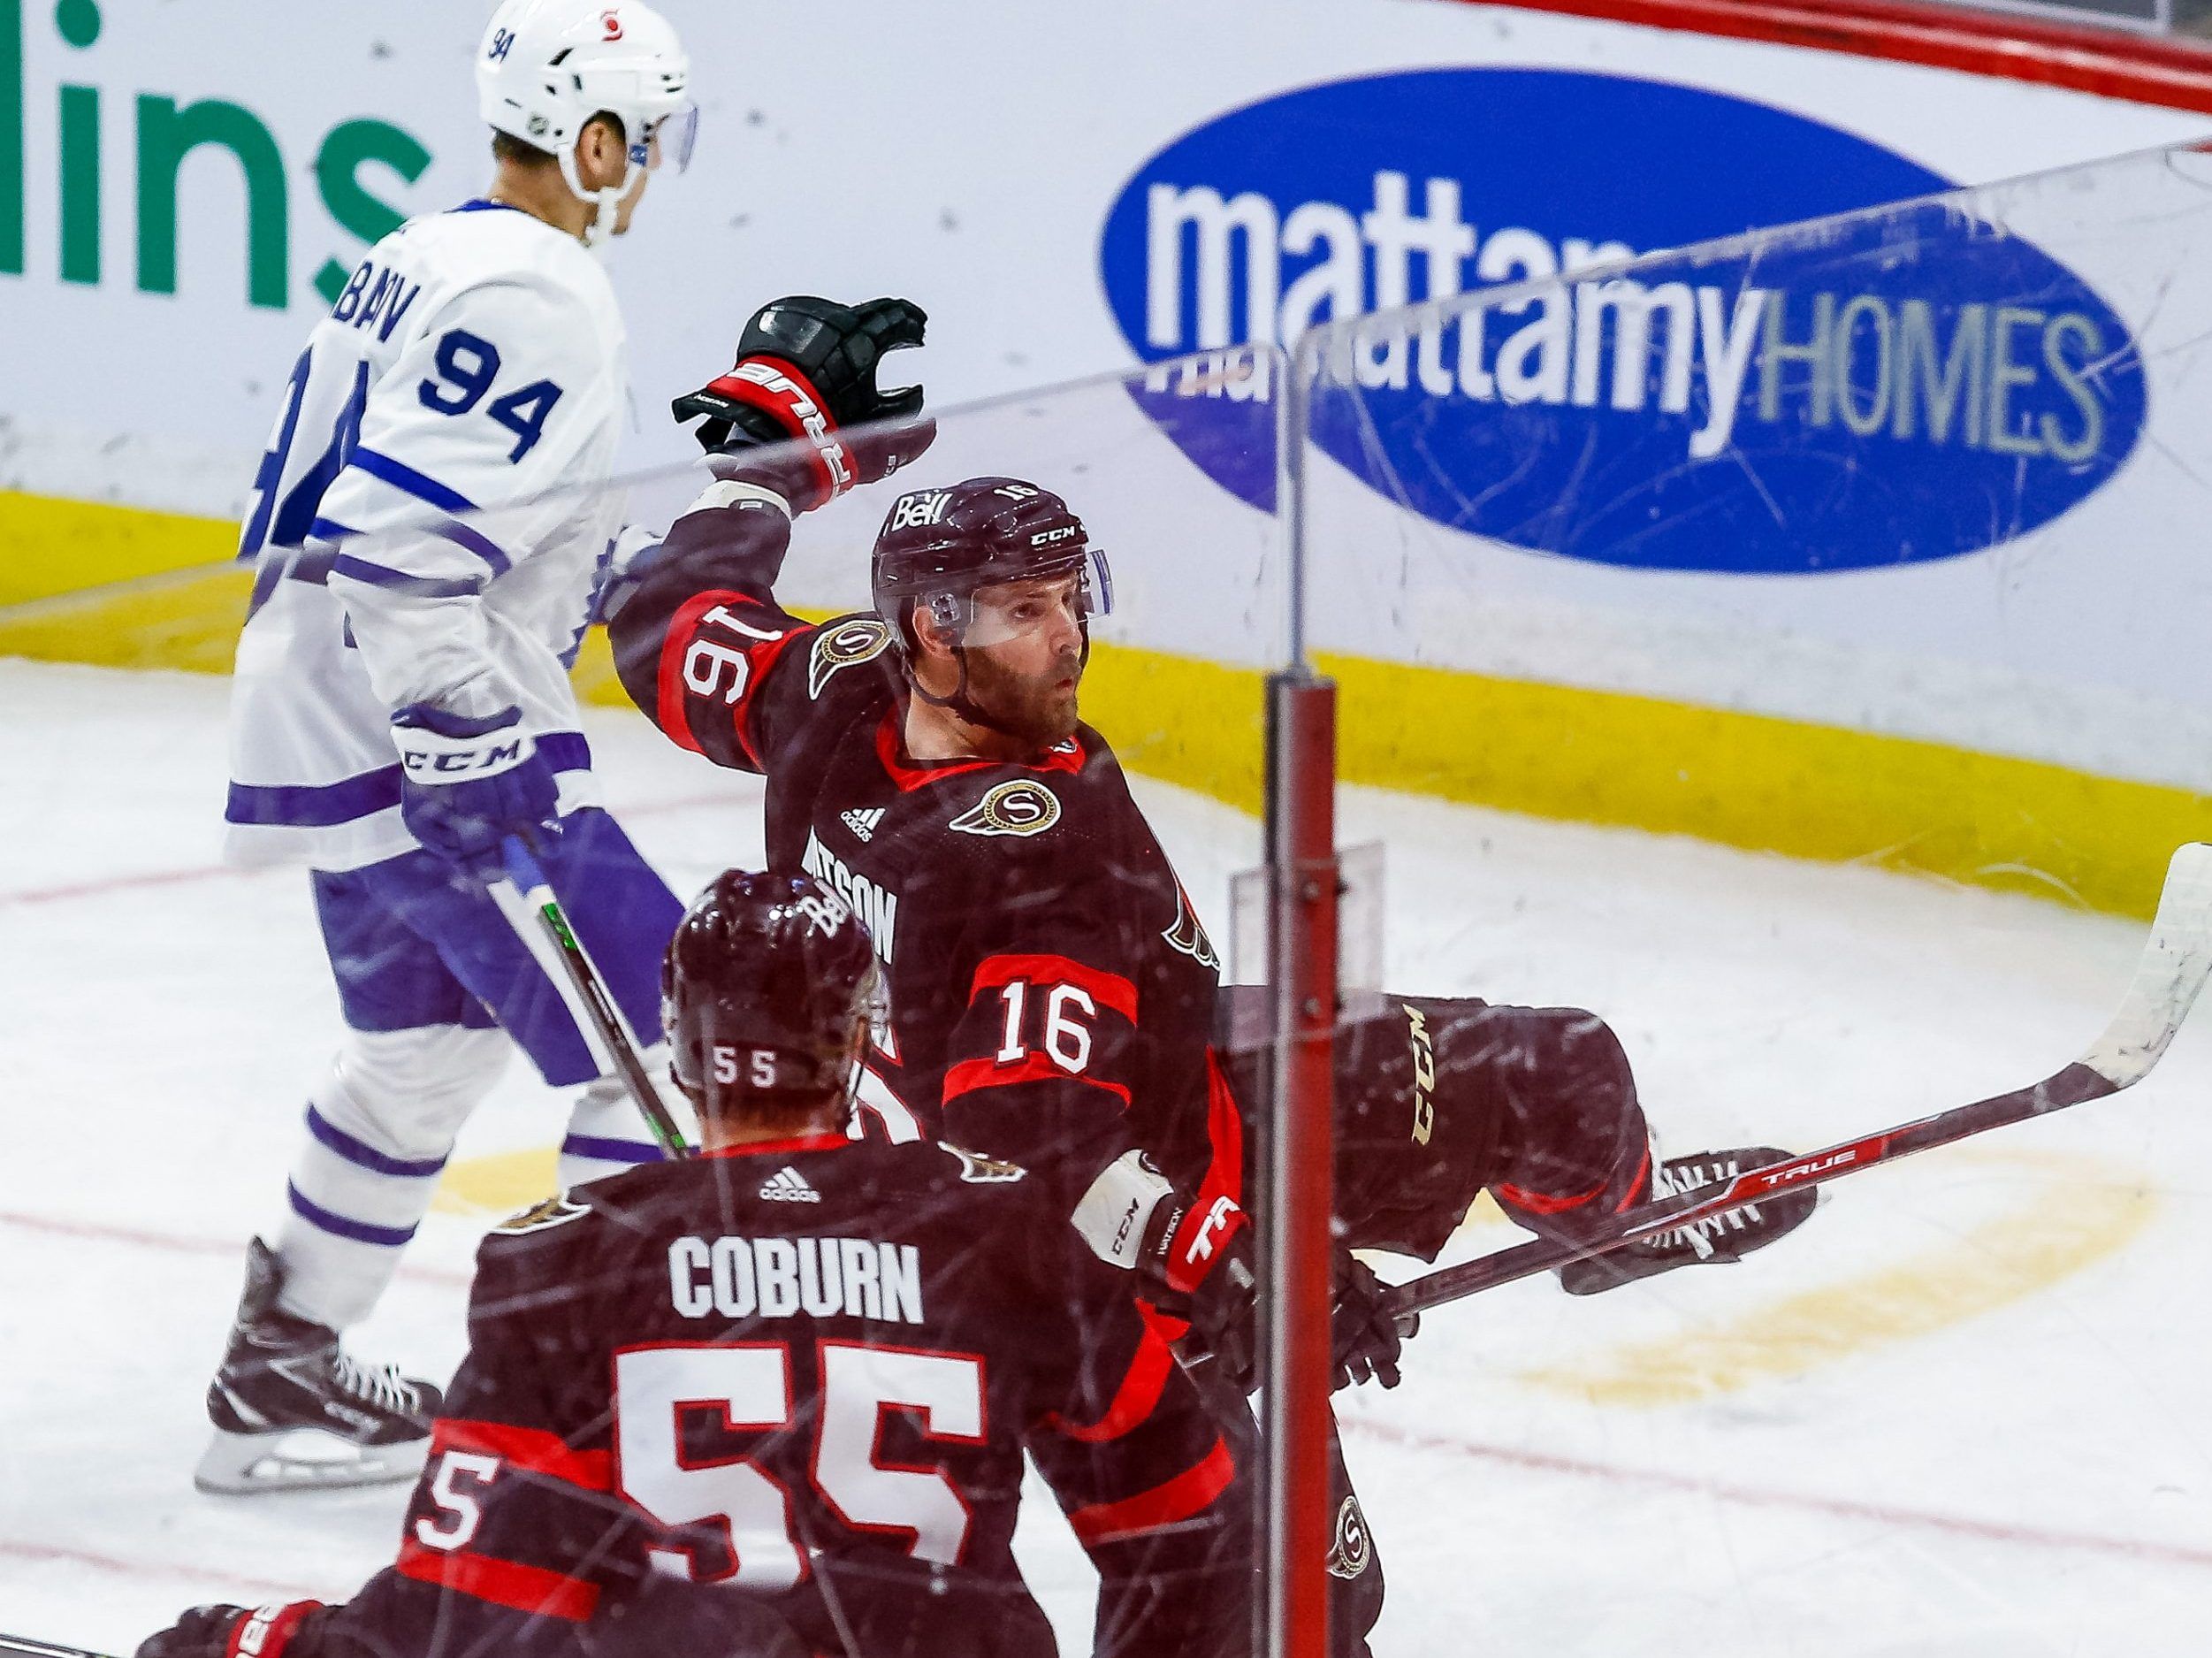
(1908, 385)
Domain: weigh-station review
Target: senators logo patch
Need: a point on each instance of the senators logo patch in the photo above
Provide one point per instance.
(552, 1212)
(860, 641)
(1188, 934)
(1020, 807)
(982, 1170)
(1349, 1556)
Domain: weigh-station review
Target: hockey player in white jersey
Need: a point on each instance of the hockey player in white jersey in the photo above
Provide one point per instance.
(426, 537)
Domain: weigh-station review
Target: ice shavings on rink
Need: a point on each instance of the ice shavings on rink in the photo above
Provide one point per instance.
(1960, 1413)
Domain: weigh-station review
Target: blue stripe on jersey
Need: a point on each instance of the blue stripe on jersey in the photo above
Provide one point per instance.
(323, 806)
(427, 489)
(400, 581)
(403, 476)
(327, 529)
(338, 1226)
(479, 544)
(611, 1151)
(364, 1155)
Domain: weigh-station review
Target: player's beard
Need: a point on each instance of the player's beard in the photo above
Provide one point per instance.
(1038, 709)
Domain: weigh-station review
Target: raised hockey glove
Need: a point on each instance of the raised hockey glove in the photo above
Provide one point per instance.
(467, 783)
(236, 1631)
(805, 371)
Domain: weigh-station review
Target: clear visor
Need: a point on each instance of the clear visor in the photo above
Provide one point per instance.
(670, 139)
(1015, 609)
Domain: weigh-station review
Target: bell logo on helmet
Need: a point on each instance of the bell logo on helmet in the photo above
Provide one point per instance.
(926, 505)
(1021, 808)
(826, 911)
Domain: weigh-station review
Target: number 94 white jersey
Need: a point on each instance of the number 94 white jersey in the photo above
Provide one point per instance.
(426, 526)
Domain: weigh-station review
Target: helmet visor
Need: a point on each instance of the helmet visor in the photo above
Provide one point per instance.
(670, 139)
(1008, 611)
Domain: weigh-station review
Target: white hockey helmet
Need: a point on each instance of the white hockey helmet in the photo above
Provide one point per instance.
(547, 67)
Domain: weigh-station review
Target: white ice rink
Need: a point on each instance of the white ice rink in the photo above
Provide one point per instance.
(1963, 1412)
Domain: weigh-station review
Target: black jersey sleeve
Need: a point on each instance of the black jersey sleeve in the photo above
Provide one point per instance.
(515, 1518)
(700, 639)
(1045, 1055)
(1158, 1494)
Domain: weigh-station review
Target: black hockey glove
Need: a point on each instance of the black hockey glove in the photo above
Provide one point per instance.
(806, 370)
(1364, 1338)
(235, 1631)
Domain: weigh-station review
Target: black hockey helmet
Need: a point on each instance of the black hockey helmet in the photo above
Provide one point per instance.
(938, 546)
(765, 988)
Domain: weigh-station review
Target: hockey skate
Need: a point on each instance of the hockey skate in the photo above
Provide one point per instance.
(293, 1411)
(1727, 1236)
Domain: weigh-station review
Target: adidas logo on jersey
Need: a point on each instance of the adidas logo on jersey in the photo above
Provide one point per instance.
(787, 1185)
(862, 821)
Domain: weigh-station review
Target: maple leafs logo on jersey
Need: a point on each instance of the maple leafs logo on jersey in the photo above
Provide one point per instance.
(552, 1212)
(1188, 934)
(862, 639)
(862, 821)
(982, 1171)
(1020, 807)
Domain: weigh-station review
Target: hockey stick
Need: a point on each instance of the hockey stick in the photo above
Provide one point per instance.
(31, 1649)
(2172, 970)
(586, 995)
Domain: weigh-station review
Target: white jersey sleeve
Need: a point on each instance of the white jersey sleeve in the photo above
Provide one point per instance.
(457, 478)
(426, 526)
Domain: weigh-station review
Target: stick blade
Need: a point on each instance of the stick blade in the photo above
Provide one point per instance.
(2170, 976)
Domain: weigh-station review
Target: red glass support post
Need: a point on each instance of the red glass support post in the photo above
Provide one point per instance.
(1298, 1222)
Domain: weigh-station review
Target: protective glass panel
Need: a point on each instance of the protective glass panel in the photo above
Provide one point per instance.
(814, 1358)
(1783, 656)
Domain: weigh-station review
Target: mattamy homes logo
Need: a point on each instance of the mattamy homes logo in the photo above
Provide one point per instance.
(92, 121)
(1897, 386)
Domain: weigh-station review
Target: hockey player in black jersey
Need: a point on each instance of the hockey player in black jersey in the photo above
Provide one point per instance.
(1053, 999)
(772, 1401)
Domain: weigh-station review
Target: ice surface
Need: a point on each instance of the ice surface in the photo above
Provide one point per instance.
(1962, 1413)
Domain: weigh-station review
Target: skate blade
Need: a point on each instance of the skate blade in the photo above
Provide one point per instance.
(302, 1459)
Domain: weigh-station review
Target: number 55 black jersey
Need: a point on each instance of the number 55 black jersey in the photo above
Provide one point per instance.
(805, 1370)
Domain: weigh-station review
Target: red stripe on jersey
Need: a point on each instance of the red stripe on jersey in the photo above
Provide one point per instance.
(506, 1582)
(834, 1142)
(1107, 990)
(909, 775)
(1634, 1195)
(1138, 1395)
(674, 646)
(531, 1448)
(1188, 1494)
(1537, 1203)
(971, 1075)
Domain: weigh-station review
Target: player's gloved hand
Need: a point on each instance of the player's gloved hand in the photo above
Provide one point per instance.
(806, 370)
(467, 783)
(1364, 1337)
(235, 1631)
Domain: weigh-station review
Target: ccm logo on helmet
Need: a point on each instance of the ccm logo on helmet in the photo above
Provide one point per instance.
(1021, 808)
(1044, 537)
